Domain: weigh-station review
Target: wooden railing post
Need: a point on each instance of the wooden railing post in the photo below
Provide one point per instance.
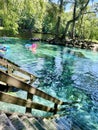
(29, 98)
(8, 72)
(55, 108)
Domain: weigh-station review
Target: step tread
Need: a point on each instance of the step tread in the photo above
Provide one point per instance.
(5, 123)
(37, 124)
(17, 123)
(13, 121)
(28, 123)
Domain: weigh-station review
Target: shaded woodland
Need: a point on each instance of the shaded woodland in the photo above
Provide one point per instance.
(64, 19)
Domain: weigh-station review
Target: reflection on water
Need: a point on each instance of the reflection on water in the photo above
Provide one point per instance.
(68, 74)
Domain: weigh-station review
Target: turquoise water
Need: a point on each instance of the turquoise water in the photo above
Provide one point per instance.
(68, 74)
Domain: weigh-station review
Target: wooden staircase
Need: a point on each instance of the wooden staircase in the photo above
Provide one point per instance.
(12, 121)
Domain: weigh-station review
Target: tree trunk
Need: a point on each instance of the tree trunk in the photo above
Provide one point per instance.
(59, 20)
(73, 20)
(73, 24)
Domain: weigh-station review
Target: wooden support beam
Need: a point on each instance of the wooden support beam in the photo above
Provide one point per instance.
(29, 98)
(55, 109)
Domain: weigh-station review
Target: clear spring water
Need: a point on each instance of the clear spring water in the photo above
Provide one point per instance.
(68, 74)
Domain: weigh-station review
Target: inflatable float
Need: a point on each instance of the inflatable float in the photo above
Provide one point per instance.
(3, 49)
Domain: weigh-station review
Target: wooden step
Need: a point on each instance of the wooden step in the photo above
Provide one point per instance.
(14, 121)
(59, 127)
(37, 124)
(28, 123)
(5, 123)
(17, 123)
(49, 124)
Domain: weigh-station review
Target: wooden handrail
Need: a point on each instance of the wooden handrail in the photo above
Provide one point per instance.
(23, 102)
(4, 59)
(11, 67)
(12, 81)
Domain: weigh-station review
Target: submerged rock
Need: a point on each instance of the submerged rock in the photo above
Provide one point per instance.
(79, 54)
(76, 53)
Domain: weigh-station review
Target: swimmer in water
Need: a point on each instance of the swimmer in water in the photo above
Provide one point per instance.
(33, 47)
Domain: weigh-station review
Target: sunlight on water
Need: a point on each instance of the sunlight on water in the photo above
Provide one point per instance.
(68, 74)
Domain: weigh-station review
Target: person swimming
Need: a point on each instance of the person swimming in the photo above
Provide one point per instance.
(3, 48)
(31, 47)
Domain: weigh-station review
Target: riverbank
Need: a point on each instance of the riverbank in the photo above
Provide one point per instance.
(77, 43)
(49, 38)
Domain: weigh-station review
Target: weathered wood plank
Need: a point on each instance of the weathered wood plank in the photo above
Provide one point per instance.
(8, 113)
(11, 71)
(29, 97)
(19, 77)
(12, 81)
(2, 83)
(5, 123)
(6, 60)
(10, 65)
(25, 72)
(22, 102)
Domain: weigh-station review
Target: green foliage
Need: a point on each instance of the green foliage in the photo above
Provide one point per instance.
(42, 16)
(9, 16)
(87, 25)
(50, 18)
(32, 15)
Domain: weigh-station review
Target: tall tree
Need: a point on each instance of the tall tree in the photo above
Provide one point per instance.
(74, 19)
(59, 18)
(74, 15)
